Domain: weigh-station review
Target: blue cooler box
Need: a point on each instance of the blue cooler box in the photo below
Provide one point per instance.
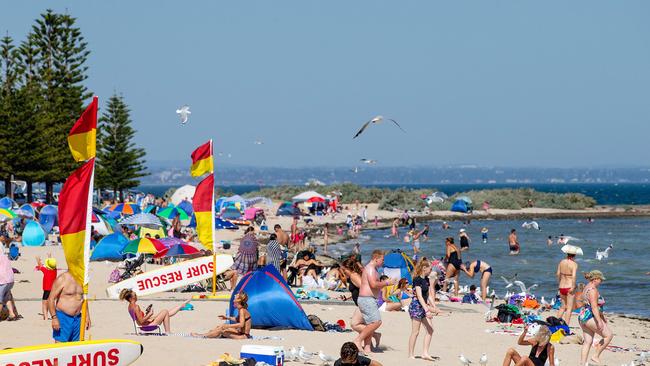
(269, 354)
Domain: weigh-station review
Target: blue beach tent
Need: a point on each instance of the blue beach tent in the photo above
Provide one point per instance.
(110, 248)
(48, 218)
(398, 265)
(270, 300)
(33, 234)
(461, 206)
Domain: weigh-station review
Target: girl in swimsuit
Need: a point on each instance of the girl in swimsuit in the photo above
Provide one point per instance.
(484, 269)
(541, 351)
(454, 264)
(239, 330)
(592, 320)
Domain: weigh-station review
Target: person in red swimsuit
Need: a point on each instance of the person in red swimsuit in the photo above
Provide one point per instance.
(566, 274)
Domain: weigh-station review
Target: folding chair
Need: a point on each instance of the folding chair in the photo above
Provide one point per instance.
(145, 329)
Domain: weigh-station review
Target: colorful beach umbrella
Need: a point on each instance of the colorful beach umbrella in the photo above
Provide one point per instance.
(177, 250)
(7, 214)
(124, 208)
(170, 241)
(144, 245)
(172, 212)
(142, 219)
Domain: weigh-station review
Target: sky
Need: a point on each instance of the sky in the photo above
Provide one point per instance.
(498, 83)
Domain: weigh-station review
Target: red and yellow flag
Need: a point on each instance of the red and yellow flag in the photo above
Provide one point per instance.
(83, 134)
(202, 160)
(73, 220)
(203, 204)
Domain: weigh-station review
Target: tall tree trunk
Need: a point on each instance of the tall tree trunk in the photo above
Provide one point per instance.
(30, 192)
(49, 192)
(121, 195)
(8, 191)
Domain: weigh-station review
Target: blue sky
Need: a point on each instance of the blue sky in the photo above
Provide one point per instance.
(508, 83)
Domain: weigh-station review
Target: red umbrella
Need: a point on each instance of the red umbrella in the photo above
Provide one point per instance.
(177, 250)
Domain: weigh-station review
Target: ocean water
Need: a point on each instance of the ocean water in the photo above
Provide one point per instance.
(603, 193)
(627, 289)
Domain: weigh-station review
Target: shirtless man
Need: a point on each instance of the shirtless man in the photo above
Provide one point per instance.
(513, 242)
(283, 238)
(65, 302)
(566, 273)
(367, 302)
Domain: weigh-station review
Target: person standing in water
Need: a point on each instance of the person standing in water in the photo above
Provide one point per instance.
(484, 235)
(393, 228)
(482, 267)
(513, 242)
(566, 274)
(464, 240)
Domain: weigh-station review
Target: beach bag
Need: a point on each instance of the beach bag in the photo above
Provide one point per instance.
(316, 323)
(507, 313)
(553, 321)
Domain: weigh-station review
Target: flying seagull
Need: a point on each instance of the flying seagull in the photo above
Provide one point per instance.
(530, 225)
(376, 120)
(184, 113)
(369, 161)
(603, 254)
(258, 142)
(509, 281)
(523, 287)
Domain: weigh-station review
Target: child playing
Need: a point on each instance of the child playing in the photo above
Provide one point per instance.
(471, 298)
(49, 275)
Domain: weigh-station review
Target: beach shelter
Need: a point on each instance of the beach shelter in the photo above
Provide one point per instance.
(398, 265)
(306, 196)
(48, 218)
(461, 206)
(288, 209)
(184, 193)
(7, 202)
(231, 213)
(110, 248)
(26, 211)
(33, 234)
(270, 300)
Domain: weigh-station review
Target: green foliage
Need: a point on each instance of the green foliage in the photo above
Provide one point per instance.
(403, 198)
(119, 162)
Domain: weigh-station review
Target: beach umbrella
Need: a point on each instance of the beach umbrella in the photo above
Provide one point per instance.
(110, 248)
(48, 217)
(124, 208)
(144, 245)
(7, 214)
(172, 212)
(170, 241)
(185, 192)
(186, 206)
(150, 209)
(316, 199)
(6, 202)
(160, 231)
(142, 219)
(176, 251)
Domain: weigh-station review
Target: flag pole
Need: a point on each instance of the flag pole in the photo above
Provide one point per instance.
(89, 212)
(214, 231)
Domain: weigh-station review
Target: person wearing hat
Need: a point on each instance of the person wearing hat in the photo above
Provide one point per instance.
(592, 320)
(566, 275)
(464, 240)
(49, 275)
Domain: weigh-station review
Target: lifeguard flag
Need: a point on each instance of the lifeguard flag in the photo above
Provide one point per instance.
(83, 134)
(73, 220)
(203, 205)
(202, 161)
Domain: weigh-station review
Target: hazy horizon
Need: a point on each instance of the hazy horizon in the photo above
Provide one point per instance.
(510, 83)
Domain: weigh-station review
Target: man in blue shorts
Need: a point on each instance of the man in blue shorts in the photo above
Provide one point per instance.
(65, 303)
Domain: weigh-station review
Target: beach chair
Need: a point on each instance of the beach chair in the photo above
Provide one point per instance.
(145, 329)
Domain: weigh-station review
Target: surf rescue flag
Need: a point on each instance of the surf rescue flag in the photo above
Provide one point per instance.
(83, 134)
(74, 219)
(203, 204)
(202, 161)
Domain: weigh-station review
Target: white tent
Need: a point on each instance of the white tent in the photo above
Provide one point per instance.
(185, 192)
(304, 196)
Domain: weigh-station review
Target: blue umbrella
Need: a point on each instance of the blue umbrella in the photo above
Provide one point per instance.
(6, 202)
(186, 206)
(48, 217)
(110, 248)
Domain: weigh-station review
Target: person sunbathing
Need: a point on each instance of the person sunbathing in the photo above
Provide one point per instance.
(147, 317)
(239, 330)
(541, 351)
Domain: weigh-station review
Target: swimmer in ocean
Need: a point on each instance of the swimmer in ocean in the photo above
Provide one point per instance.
(513, 243)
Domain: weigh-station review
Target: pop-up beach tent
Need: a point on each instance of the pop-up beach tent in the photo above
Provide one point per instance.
(270, 301)
(461, 206)
(288, 209)
(33, 234)
(48, 218)
(398, 265)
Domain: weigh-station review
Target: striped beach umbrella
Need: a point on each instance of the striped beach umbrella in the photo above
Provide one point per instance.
(170, 241)
(177, 251)
(124, 208)
(144, 245)
(6, 214)
(142, 219)
(170, 213)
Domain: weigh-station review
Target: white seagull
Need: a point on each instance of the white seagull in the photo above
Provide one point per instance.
(376, 120)
(464, 360)
(530, 225)
(604, 254)
(483, 360)
(258, 142)
(355, 170)
(368, 161)
(293, 354)
(325, 358)
(523, 287)
(184, 113)
(509, 281)
(304, 355)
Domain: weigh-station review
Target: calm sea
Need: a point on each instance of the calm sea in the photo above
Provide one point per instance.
(627, 289)
(604, 194)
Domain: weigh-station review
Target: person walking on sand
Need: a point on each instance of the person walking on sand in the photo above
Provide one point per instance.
(352, 271)
(49, 275)
(566, 275)
(513, 242)
(422, 309)
(592, 320)
(6, 284)
(368, 294)
(65, 303)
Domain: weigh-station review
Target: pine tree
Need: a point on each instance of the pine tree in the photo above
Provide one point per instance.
(119, 162)
(9, 74)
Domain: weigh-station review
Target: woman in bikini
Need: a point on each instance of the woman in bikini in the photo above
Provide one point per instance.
(484, 269)
(454, 264)
(566, 274)
(542, 350)
(241, 326)
(592, 320)
(147, 317)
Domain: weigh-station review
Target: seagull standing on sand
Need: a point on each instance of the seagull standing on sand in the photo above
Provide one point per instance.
(464, 360)
(304, 355)
(483, 360)
(604, 254)
(184, 113)
(374, 121)
(325, 358)
(293, 354)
